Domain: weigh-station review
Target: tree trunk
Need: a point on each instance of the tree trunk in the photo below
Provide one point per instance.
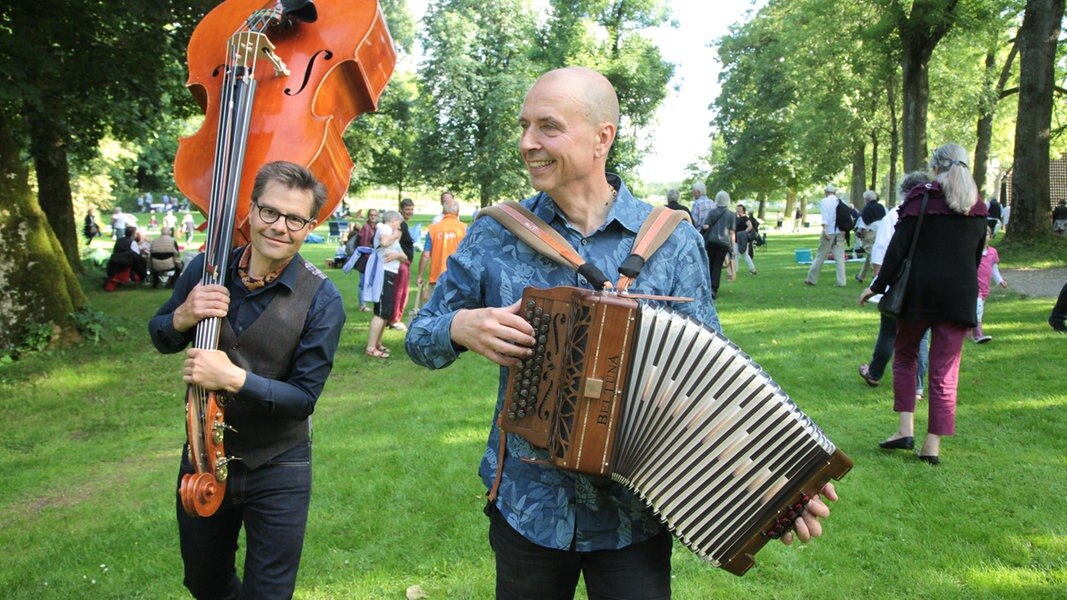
(920, 32)
(894, 143)
(859, 174)
(49, 150)
(985, 128)
(792, 202)
(874, 160)
(916, 74)
(48, 292)
(986, 112)
(790, 206)
(1030, 180)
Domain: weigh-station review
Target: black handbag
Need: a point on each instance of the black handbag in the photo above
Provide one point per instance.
(892, 302)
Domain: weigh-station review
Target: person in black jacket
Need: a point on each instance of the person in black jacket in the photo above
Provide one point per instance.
(941, 293)
(124, 256)
(871, 218)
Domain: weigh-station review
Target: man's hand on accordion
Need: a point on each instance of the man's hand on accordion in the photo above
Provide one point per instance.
(499, 334)
(808, 526)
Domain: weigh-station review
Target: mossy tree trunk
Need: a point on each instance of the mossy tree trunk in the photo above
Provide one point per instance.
(37, 284)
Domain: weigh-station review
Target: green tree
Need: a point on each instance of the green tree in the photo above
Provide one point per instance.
(919, 31)
(384, 143)
(476, 69)
(75, 70)
(607, 35)
(1038, 38)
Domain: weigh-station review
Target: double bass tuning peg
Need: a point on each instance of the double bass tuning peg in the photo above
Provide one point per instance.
(222, 469)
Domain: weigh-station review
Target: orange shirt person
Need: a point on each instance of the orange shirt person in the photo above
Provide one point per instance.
(444, 237)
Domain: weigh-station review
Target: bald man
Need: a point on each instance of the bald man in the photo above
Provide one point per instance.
(548, 527)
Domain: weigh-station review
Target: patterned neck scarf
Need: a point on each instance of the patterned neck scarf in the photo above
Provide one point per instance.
(253, 283)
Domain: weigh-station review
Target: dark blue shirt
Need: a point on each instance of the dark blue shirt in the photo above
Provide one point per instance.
(295, 397)
(551, 507)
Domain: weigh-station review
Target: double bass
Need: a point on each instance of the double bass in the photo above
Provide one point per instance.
(277, 80)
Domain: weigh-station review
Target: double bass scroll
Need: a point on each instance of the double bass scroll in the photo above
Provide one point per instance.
(337, 66)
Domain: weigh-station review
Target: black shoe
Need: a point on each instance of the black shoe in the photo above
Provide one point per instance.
(1058, 323)
(930, 458)
(901, 443)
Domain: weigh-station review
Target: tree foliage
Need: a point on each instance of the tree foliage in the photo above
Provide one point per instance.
(74, 71)
(383, 144)
(608, 35)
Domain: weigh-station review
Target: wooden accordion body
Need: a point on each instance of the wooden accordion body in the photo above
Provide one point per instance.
(674, 411)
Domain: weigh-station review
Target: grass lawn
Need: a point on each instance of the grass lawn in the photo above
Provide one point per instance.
(91, 437)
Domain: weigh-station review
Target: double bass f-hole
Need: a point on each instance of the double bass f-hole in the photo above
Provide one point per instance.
(326, 55)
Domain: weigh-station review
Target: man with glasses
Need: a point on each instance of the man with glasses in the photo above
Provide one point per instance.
(283, 319)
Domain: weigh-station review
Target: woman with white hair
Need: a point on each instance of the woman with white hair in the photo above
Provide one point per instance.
(940, 294)
(719, 239)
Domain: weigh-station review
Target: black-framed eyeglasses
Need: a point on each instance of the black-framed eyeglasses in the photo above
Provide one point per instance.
(292, 222)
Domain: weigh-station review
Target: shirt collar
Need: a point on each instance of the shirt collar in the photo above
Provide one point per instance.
(626, 210)
(286, 278)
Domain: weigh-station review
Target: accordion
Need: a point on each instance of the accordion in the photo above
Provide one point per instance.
(672, 410)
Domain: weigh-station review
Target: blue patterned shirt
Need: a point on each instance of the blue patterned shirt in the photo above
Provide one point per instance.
(548, 506)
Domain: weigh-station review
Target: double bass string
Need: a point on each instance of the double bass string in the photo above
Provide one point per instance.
(238, 91)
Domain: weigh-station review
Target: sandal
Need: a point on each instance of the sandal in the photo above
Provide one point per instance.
(376, 353)
(871, 381)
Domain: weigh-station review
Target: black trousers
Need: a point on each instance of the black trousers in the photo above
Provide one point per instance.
(526, 571)
(716, 257)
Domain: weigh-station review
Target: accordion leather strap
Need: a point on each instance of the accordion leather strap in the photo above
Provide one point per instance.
(499, 463)
(531, 229)
(653, 233)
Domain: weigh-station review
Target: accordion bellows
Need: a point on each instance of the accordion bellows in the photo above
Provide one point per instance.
(674, 411)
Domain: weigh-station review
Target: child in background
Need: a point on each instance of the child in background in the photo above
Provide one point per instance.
(987, 272)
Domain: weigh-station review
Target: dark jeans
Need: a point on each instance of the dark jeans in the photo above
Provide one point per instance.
(716, 256)
(526, 571)
(883, 352)
(272, 505)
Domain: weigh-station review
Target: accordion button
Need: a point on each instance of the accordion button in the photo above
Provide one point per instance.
(539, 311)
(541, 339)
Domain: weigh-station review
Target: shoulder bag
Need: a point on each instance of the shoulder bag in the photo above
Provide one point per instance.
(711, 236)
(892, 302)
